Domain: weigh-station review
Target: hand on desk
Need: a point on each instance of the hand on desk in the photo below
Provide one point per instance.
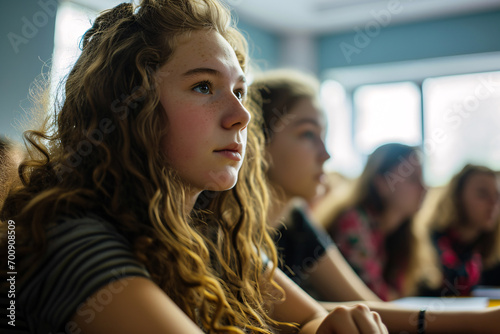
(352, 320)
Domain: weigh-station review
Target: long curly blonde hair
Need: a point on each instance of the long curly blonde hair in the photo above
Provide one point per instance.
(100, 153)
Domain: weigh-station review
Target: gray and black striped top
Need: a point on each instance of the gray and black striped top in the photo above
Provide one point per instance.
(83, 255)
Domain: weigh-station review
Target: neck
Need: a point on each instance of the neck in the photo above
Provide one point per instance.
(280, 205)
(190, 199)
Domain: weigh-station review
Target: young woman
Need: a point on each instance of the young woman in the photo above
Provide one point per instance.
(464, 227)
(139, 213)
(373, 226)
(294, 126)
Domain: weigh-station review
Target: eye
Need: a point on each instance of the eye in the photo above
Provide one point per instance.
(309, 135)
(203, 87)
(239, 94)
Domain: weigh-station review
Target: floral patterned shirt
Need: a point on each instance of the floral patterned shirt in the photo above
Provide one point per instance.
(461, 265)
(363, 246)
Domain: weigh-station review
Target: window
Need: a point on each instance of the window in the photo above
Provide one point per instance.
(387, 113)
(71, 23)
(462, 124)
(344, 159)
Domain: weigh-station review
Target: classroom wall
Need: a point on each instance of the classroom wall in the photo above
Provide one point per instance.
(264, 46)
(27, 29)
(434, 38)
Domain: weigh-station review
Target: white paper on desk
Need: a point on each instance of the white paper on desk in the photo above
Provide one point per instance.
(486, 291)
(443, 303)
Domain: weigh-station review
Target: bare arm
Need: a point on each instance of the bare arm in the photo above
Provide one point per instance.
(140, 306)
(300, 308)
(334, 278)
(398, 319)
(137, 306)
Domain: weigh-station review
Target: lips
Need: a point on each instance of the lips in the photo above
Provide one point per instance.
(232, 151)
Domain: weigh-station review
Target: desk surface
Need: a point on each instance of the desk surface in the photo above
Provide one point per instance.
(494, 302)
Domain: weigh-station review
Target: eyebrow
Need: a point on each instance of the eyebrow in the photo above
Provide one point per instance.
(210, 71)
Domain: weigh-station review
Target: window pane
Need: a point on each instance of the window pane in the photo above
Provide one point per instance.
(462, 124)
(344, 159)
(71, 23)
(387, 113)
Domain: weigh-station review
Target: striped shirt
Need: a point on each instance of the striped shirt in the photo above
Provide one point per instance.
(83, 255)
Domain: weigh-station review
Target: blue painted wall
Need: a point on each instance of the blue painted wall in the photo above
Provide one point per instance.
(433, 38)
(264, 46)
(27, 41)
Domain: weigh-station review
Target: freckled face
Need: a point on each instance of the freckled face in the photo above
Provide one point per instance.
(297, 151)
(201, 92)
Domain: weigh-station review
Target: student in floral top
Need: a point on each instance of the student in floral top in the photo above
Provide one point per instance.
(372, 226)
(464, 227)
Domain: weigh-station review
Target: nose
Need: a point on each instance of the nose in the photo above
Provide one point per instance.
(236, 116)
(323, 154)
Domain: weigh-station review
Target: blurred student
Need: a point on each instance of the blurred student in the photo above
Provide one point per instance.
(294, 125)
(372, 226)
(465, 230)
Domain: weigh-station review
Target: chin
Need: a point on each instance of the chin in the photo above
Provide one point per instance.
(220, 181)
(309, 197)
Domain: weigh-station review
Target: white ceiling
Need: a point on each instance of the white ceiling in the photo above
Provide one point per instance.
(324, 16)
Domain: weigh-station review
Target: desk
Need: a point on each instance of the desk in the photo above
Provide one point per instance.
(446, 303)
(494, 302)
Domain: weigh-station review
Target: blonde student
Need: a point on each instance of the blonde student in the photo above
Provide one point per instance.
(143, 202)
